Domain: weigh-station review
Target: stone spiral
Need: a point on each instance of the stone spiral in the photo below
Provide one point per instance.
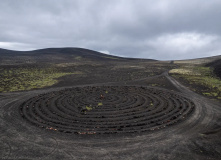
(106, 109)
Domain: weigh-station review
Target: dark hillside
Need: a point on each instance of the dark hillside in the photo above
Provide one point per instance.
(57, 55)
(217, 67)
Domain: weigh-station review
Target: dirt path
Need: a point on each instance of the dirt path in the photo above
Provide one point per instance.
(198, 137)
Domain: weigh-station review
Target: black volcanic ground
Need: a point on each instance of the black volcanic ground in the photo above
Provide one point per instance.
(117, 108)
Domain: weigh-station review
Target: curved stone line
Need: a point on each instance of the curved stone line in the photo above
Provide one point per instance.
(106, 109)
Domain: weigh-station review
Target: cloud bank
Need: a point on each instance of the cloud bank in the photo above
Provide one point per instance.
(164, 29)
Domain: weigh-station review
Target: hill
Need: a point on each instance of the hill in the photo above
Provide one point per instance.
(25, 70)
(56, 55)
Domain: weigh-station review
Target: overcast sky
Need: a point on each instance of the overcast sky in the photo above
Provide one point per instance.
(158, 29)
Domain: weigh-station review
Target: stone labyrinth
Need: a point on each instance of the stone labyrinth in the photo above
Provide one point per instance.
(106, 109)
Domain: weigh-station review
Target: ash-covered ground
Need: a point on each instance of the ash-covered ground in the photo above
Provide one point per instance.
(102, 107)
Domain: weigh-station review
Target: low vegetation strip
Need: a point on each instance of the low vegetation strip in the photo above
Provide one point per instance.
(23, 78)
(202, 78)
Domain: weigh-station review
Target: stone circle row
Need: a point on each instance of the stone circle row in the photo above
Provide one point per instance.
(106, 109)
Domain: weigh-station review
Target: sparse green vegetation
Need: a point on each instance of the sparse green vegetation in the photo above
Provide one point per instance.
(18, 79)
(201, 76)
(88, 108)
(154, 84)
(78, 58)
(109, 57)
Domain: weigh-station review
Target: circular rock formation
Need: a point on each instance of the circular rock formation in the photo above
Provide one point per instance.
(106, 109)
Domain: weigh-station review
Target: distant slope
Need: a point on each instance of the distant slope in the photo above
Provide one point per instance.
(213, 62)
(57, 55)
(199, 60)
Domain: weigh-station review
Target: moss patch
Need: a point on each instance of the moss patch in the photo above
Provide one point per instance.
(19, 79)
(88, 108)
(203, 77)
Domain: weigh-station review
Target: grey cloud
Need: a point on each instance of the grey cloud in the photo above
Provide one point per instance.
(120, 27)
